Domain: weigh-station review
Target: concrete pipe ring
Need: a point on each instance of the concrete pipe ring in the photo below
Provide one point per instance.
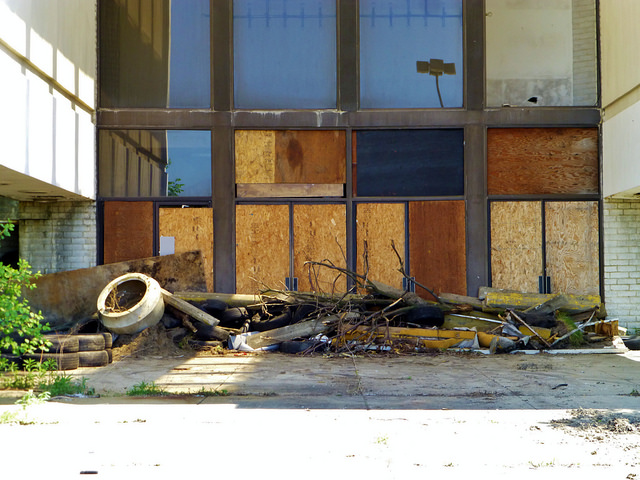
(130, 303)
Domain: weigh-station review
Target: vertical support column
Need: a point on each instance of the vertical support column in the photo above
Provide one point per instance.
(348, 36)
(222, 164)
(475, 151)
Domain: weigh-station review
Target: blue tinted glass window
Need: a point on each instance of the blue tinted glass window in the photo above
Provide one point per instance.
(155, 53)
(284, 53)
(154, 163)
(394, 36)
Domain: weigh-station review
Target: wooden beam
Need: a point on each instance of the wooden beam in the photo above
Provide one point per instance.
(297, 330)
(186, 307)
(285, 190)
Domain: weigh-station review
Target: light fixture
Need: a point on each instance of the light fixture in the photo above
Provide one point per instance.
(436, 67)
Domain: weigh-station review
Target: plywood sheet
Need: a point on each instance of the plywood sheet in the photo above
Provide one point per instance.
(289, 190)
(380, 224)
(128, 231)
(437, 246)
(319, 234)
(516, 245)
(542, 161)
(255, 156)
(262, 247)
(192, 229)
(310, 156)
(572, 247)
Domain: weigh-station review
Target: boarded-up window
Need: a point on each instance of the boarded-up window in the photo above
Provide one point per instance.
(542, 161)
(290, 156)
(409, 162)
(128, 231)
(437, 246)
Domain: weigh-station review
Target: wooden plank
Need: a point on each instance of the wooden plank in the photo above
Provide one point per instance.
(572, 247)
(522, 301)
(284, 190)
(310, 156)
(380, 224)
(231, 299)
(542, 161)
(192, 229)
(128, 231)
(255, 153)
(516, 245)
(297, 330)
(320, 234)
(262, 247)
(453, 299)
(185, 307)
(400, 332)
(437, 246)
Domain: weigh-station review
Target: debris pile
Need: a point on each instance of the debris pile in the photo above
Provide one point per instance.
(382, 318)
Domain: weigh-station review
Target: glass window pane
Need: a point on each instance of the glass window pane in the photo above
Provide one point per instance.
(412, 163)
(155, 53)
(394, 36)
(541, 53)
(284, 53)
(154, 163)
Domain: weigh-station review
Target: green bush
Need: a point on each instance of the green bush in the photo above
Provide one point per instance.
(21, 330)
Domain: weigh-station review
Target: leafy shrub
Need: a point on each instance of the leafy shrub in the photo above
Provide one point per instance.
(21, 330)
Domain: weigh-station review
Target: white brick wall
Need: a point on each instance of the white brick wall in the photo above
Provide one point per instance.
(622, 261)
(59, 236)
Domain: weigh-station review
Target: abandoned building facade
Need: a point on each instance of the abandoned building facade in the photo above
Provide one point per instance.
(470, 142)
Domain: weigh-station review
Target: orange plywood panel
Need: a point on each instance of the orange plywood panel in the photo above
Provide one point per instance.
(192, 229)
(310, 156)
(255, 156)
(379, 225)
(128, 231)
(262, 247)
(572, 247)
(542, 161)
(319, 235)
(516, 245)
(437, 246)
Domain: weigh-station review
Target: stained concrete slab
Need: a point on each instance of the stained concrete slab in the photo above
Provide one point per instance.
(442, 381)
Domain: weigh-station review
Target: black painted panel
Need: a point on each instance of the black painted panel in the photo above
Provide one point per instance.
(410, 162)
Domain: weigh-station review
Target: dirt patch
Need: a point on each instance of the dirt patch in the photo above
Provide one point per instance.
(596, 425)
(153, 341)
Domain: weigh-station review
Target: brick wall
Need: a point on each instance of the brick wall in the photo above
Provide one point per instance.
(59, 236)
(622, 261)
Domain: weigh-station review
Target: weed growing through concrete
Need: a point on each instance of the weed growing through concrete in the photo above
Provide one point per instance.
(144, 389)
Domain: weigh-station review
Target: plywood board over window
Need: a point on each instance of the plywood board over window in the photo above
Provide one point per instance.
(262, 247)
(128, 231)
(572, 247)
(437, 246)
(192, 229)
(516, 245)
(319, 235)
(542, 161)
(379, 225)
(290, 156)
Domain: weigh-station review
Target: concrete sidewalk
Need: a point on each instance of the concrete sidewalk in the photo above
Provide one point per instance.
(442, 381)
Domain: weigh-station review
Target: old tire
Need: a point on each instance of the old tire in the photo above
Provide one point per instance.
(64, 361)
(426, 316)
(108, 340)
(62, 344)
(93, 358)
(90, 342)
(130, 303)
